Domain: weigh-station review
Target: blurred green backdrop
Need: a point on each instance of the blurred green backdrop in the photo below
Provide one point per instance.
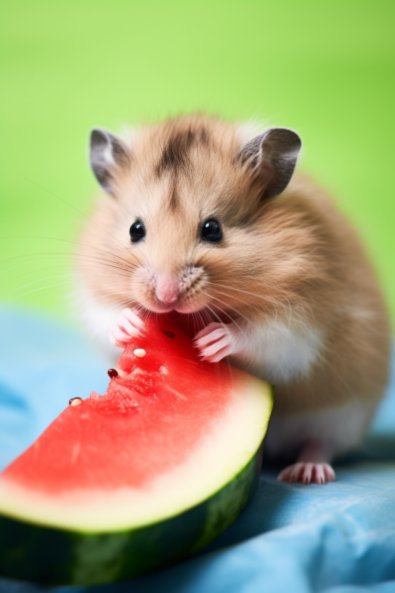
(325, 69)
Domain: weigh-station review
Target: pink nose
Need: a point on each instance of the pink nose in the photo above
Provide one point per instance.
(167, 289)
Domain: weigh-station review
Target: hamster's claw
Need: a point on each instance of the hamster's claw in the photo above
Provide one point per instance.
(129, 325)
(307, 473)
(215, 342)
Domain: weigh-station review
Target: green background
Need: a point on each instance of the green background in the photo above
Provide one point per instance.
(324, 69)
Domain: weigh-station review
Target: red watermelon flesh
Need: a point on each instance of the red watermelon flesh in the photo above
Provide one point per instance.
(169, 432)
(148, 420)
(123, 483)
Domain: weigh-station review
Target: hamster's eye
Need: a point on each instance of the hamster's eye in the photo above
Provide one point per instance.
(137, 231)
(211, 231)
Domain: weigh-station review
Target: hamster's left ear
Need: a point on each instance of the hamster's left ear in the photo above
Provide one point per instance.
(272, 156)
(107, 155)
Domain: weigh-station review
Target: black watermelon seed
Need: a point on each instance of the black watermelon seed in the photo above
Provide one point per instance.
(112, 373)
(169, 333)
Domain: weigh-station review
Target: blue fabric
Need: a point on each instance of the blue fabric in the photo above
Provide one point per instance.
(338, 538)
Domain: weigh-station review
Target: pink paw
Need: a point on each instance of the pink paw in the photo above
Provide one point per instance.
(128, 325)
(215, 342)
(305, 472)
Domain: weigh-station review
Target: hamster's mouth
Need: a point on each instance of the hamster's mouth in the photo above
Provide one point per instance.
(198, 315)
(193, 321)
(180, 305)
(183, 308)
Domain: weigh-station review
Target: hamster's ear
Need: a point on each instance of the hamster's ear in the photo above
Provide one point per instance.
(272, 156)
(107, 154)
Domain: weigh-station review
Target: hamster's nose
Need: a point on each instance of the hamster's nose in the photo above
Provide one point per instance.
(167, 289)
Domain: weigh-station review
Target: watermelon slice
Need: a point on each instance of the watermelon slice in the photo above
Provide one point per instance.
(124, 483)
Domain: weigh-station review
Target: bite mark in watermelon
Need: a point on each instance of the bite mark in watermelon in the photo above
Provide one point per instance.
(123, 483)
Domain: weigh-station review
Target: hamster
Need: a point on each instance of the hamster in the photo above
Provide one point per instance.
(206, 217)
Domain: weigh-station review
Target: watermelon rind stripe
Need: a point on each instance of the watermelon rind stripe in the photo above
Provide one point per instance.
(54, 556)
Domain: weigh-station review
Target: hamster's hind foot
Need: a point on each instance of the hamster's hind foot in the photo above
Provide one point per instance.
(312, 466)
(304, 472)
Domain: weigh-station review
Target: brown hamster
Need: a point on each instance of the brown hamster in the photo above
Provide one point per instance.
(205, 217)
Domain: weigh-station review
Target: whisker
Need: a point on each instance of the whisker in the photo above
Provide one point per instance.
(225, 312)
(237, 312)
(32, 182)
(58, 276)
(107, 263)
(276, 304)
(232, 289)
(37, 289)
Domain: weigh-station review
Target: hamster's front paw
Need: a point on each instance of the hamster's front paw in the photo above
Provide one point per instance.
(216, 341)
(129, 324)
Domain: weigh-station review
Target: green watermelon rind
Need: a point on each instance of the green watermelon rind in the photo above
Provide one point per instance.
(56, 556)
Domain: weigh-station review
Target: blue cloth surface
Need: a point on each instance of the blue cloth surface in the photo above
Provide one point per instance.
(338, 538)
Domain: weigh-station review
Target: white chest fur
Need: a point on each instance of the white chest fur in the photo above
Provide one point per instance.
(98, 318)
(278, 352)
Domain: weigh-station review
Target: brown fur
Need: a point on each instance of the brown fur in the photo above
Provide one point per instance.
(293, 257)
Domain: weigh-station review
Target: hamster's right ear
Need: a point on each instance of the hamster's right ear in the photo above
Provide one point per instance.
(107, 155)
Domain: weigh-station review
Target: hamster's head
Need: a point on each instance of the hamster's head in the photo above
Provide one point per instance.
(178, 225)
